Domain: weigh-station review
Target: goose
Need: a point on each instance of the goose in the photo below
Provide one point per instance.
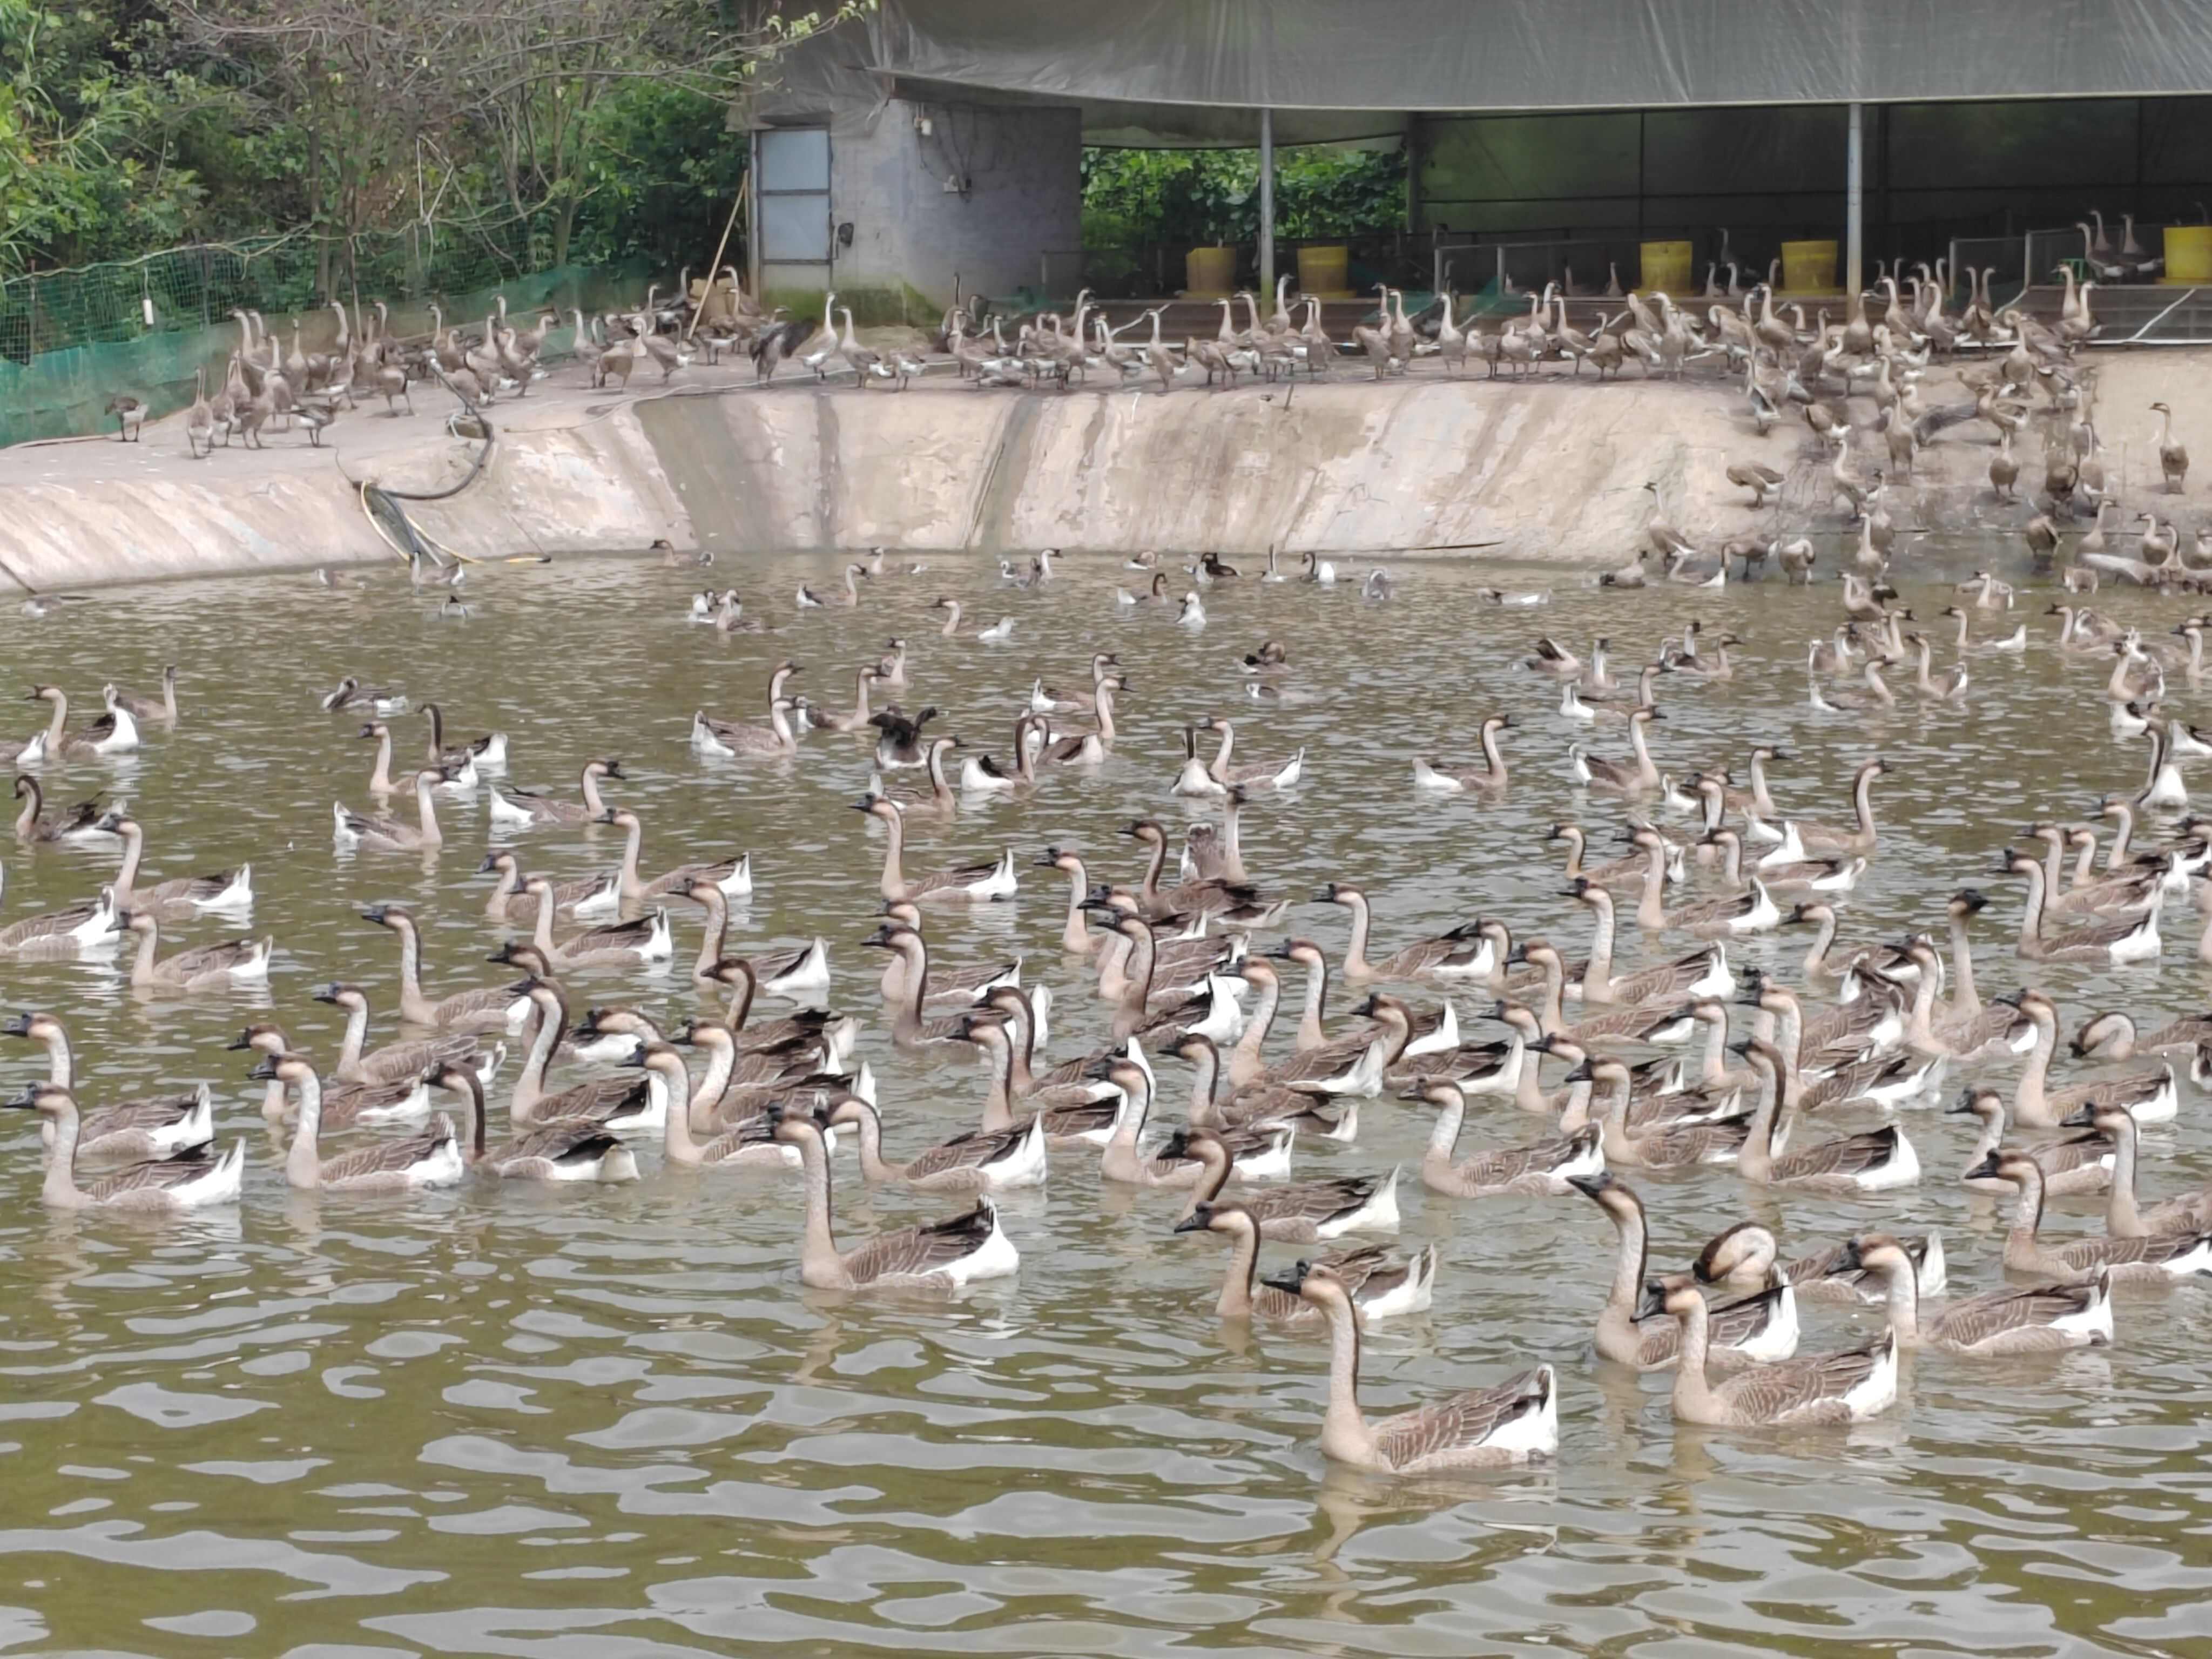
(1086, 748)
(1235, 904)
(1878, 1161)
(733, 877)
(611, 1102)
(1749, 1253)
(976, 1162)
(432, 1159)
(1758, 1327)
(975, 884)
(599, 895)
(2114, 1035)
(946, 1254)
(85, 824)
(1252, 1108)
(1637, 777)
(1512, 1422)
(729, 741)
(344, 1105)
(1669, 1146)
(2172, 458)
(55, 934)
(396, 1062)
(1544, 1167)
(1319, 571)
(2032, 1319)
(938, 798)
(1079, 1115)
(2157, 1259)
(530, 808)
(618, 944)
(802, 977)
(1460, 954)
(1380, 1285)
(1460, 778)
(899, 741)
(1554, 658)
(2124, 1216)
(350, 695)
(353, 830)
(115, 732)
(226, 890)
(206, 968)
(190, 1179)
(1831, 1387)
(1624, 874)
(958, 987)
(489, 752)
(1300, 1212)
(157, 1127)
(862, 678)
(162, 710)
(2129, 939)
(491, 1009)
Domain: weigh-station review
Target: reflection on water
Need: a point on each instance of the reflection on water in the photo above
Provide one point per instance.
(502, 1420)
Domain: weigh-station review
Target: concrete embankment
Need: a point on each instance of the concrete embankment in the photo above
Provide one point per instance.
(1552, 468)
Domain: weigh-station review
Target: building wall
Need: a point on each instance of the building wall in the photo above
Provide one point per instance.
(1016, 199)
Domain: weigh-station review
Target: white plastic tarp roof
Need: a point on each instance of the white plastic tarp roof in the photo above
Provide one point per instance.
(1168, 71)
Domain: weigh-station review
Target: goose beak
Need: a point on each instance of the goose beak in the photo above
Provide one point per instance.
(1198, 1221)
(1589, 1186)
(2083, 1116)
(1986, 1170)
(1653, 1302)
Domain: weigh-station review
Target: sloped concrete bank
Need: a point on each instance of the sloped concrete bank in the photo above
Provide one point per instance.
(1552, 469)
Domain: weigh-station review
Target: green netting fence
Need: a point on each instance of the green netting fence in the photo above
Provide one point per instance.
(70, 340)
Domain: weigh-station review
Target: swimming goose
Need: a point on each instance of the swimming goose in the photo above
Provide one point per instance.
(1045, 700)
(2157, 1259)
(205, 968)
(615, 943)
(802, 977)
(891, 668)
(489, 752)
(86, 823)
(910, 973)
(1786, 877)
(1667, 1147)
(2114, 1035)
(727, 740)
(1543, 1167)
(229, 890)
(1762, 1326)
(1253, 1153)
(564, 1150)
(1829, 1388)
(938, 798)
(1235, 904)
(1458, 955)
(1252, 1108)
(361, 830)
(899, 740)
(937, 1255)
(734, 876)
(528, 808)
(1298, 1212)
(1080, 1114)
(975, 884)
(976, 1162)
(399, 1061)
(115, 732)
(431, 1158)
(2150, 1094)
(351, 696)
(1637, 777)
(1733, 916)
(491, 1009)
(186, 1181)
(157, 1127)
(511, 901)
(953, 987)
(1822, 841)
(612, 1102)
(1380, 1285)
(1749, 1254)
(1621, 875)
(1877, 1161)
(1484, 1428)
(1084, 749)
(1459, 779)
(982, 774)
(2034, 1319)
(859, 718)
(162, 709)
(1253, 777)
(2191, 1212)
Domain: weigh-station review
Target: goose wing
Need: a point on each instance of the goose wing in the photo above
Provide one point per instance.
(1814, 1386)
(1978, 1319)
(389, 1157)
(184, 1169)
(562, 1141)
(2123, 1090)
(1846, 1155)
(971, 1150)
(408, 1061)
(917, 1252)
(212, 958)
(1317, 1201)
(600, 1100)
(1734, 1324)
(185, 889)
(344, 1103)
(2087, 1255)
(481, 1009)
(32, 929)
(965, 875)
(1463, 1421)
(613, 936)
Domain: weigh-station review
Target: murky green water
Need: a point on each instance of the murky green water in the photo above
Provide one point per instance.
(610, 1422)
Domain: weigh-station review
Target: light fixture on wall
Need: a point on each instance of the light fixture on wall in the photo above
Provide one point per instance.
(845, 234)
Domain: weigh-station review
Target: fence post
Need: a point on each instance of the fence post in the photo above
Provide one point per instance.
(34, 350)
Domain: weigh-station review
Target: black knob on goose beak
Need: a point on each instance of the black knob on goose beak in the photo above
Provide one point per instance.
(1851, 1261)
(1176, 1146)
(20, 1026)
(1653, 1302)
(1580, 1075)
(265, 1071)
(1292, 1282)
(375, 913)
(1198, 1221)
(1589, 1186)
(1985, 1170)
(2083, 1116)
(1962, 1105)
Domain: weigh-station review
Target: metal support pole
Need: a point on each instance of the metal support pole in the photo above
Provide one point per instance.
(1855, 203)
(1267, 201)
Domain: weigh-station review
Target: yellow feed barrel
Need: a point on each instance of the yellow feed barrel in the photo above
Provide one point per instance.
(1808, 267)
(1209, 273)
(1666, 265)
(1323, 272)
(2189, 255)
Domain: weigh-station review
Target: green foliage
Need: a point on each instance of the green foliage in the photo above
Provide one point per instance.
(1197, 197)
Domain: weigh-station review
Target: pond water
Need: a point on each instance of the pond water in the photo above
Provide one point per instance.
(609, 1421)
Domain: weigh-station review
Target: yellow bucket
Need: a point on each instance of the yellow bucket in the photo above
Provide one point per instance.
(1209, 273)
(2189, 255)
(1666, 265)
(1323, 272)
(1808, 267)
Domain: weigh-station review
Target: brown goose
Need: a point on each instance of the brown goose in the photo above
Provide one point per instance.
(1457, 955)
(976, 1162)
(2157, 1259)
(223, 890)
(1749, 1254)
(395, 1061)
(2077, 1163)
(937, 1255)
(973, 884)
(202, 968)
(158, 1128)
(432, 1159)
(614, 944)
(1454, 778)
(1877, 1161)
(1254, 1109)
(2035, 1319)
(494, 1008)
(510, 902)
(529, 808)
(611, 1102)
(1482, 1428)
(2192, 1212)
(733, 876)
(1671, 1146)
(1546, 1167)
(1299, 1212)
(1636, 776)
(1829, 1388)
(85, 821)
(1380, 1285)
(190, 1178)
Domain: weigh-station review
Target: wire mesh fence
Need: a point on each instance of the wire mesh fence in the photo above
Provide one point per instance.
(70, 339)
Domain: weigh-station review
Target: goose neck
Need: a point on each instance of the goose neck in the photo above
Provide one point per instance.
(633, 844)
(819, 1262)
(2029, 1106)
(721, 1061)
(58, 1188)
(1236, 1279)
(134, 848)
(303, 1164)
(1356, 964)
(1694, 1394)
(1445, 1137)
(713, 937)
(530, 1082)
(1310, 1035)
(356, 1037)
(2123, 1219)
(1344, 1433)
